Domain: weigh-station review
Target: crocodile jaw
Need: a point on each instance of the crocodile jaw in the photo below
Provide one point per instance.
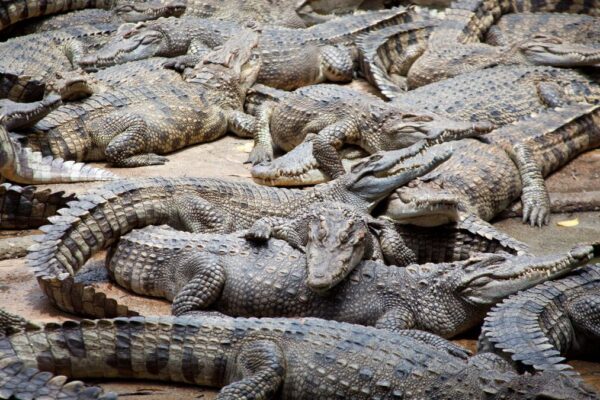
(497, 279)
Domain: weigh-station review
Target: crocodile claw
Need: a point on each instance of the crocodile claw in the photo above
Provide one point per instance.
(260, 154)
(536, 214)
(259, 232)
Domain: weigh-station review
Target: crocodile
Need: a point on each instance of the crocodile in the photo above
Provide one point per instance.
(571, 39)
(445, 299)
(503, 94)
(290, 58)
(24, 166)
(482, 179)
(573, 28)
(48, 61)
(264, 358)
(122, 11)
(538, 327)
(498, 95)
(98, 218)
(455, 46)
(134, 124)
(331, 116)
(14, 11)
(26, 207)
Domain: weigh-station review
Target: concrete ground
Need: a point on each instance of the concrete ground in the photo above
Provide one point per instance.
(19, 292)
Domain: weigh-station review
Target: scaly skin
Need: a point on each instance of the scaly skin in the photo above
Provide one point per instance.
(502, 94)
(330, 116)
(132, 124)
(573, 28)
(99, 218)
(27, 208)
(46, 61)
(386, 55)
(122, 11)
(262, 359)
(290, 58)
(24, 166)
(480, 180)
(15, 11)
(537, 328)
(445, 299)
(454, 47)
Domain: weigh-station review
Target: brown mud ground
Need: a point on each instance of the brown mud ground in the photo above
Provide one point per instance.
(20, 294)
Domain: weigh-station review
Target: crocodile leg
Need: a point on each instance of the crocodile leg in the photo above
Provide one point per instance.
(241, 124)
(394, 249)
(337, 63)
(198, 215)
(263, 142)
(397, 319)
(327, 143)
(281, 228)
(127, 139)
(261, 364)
(198, 281)
(584, 312)
(534, 196)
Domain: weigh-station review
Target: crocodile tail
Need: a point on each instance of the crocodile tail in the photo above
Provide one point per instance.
(479, 227)
(92, 223)
(23, 165)
(21, 378)
(15, 11)
(24, 207)
(381, 50)
(531, 327)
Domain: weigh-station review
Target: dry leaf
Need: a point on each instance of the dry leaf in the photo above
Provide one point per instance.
(568, 223)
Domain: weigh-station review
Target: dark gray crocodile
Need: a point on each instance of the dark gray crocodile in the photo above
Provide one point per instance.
(538, 327)
(482, 179)
(155, 112)
(454, 47)
(290, 58)
(98, 218)
(331, 116)
(273, 281)
(22, 165)
(259, 359)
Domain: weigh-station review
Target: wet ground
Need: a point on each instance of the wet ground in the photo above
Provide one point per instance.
(20, 294)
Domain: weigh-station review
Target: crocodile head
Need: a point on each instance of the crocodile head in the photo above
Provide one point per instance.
(400, 130)
(231, 68)
(21, 115)
(551, 50)
(135, 42)
(484, 280)
(336, 244)
(375, 177)
(135, 11)
(424, 205)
